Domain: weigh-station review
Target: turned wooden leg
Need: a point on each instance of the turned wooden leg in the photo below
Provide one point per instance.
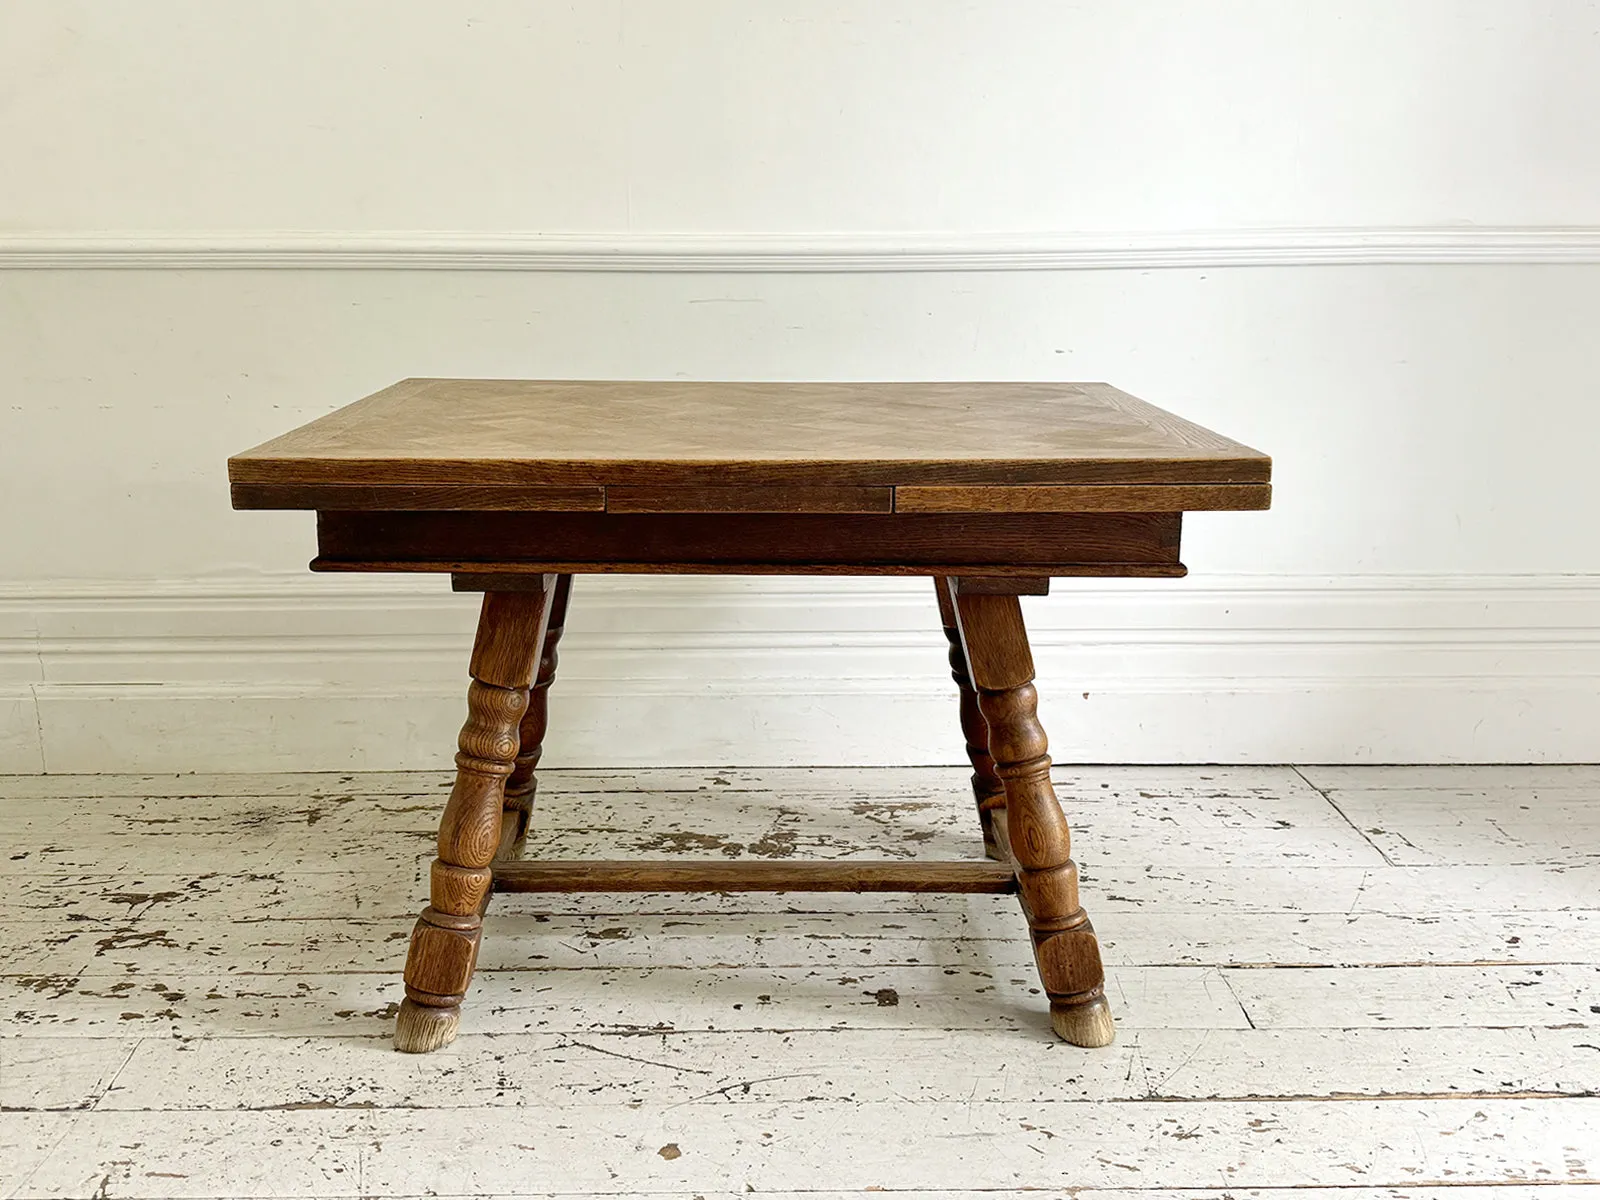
(1064, 944)
(987, 788)
(444, 944)
(522, 783)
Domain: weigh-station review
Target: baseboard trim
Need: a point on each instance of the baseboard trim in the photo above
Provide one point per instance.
(305, 673)
(777, 253)
(87, 730)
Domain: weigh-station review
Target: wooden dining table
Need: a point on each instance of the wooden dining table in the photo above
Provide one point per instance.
(512, 487)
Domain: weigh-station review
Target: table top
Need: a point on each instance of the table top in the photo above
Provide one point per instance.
(480, 435)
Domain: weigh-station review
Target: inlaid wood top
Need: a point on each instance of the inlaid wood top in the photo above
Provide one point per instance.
(437, 440)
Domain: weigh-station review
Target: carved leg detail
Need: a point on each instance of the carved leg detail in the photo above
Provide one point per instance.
(987, 788)
(1065, 947)
(522, 783)
(444, 944)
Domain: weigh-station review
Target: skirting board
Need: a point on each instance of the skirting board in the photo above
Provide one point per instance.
(313, 674)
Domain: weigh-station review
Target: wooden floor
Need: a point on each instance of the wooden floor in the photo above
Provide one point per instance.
(1370, 981)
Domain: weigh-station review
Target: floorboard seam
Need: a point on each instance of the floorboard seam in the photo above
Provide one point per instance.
(1343, 816)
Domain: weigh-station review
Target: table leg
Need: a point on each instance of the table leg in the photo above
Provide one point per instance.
(444, 944)
(1064, 943)
(987, 788)
(522, 784)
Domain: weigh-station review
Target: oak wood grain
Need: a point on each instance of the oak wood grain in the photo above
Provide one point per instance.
(1030, 824)
(988, 790)
(498, 657)
(1001, 585)
(622, 499)
(444, 942)
(1175, 497)
(386, 497)
(523, 784)
(558, 433)
(579, 875)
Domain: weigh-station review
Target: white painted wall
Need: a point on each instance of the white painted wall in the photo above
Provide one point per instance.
(720, 115)
(218, 221)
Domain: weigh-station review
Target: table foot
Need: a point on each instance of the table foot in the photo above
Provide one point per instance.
(420, 1029)
(1087, 1023)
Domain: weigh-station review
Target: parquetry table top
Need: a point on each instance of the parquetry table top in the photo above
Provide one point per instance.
(485, 432)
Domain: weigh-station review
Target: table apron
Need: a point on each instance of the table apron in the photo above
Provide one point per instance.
(835, 543)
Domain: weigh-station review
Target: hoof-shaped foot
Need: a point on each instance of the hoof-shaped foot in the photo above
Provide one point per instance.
(1086, 1024)
(421, 1029)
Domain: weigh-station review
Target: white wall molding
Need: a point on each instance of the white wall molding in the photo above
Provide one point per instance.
(368, 673)
(778, 253)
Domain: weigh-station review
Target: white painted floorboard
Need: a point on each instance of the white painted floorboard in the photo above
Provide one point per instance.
(1349, 982)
